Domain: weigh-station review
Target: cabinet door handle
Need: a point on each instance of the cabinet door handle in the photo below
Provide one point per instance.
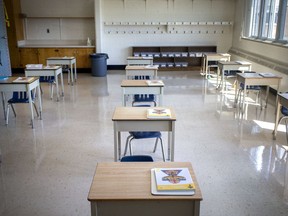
(56, 50)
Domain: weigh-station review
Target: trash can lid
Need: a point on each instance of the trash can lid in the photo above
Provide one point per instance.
(99, 55)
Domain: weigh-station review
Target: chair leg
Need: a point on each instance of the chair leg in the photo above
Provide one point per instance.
(162, 147)
(126, 145)
(130, 146)
(13, 110)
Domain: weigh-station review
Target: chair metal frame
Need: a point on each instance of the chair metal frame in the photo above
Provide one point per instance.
(131, 137)
(19, 97)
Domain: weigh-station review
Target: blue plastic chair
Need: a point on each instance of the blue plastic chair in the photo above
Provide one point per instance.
(19, 97)
(284, 111)
(143, 98)
(144, 135)
(50, 80)
(137, 158)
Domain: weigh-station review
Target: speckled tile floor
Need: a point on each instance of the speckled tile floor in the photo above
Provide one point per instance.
(47, 171)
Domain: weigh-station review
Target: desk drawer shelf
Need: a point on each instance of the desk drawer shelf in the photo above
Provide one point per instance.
(175, 57)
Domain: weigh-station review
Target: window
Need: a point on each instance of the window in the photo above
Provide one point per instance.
(267, 20)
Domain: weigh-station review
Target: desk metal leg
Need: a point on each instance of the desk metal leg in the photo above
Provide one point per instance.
(117, 143)
(62, 83)
(276, 119)
(94, 209)
(3, 104)
(71, 74)
(57, 86)
(75, 70)
(172, 141)
(40, 102)
(31, 105)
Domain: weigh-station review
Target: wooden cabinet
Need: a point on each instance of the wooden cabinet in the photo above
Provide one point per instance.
(175, 57)
(39, 55)
(28, 56)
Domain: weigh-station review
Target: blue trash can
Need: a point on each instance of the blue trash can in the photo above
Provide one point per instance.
(99, 64)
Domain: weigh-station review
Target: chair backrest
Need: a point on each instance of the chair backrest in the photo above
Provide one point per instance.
(47, 79)
(284, 110)
(21, 97)
(137, 158)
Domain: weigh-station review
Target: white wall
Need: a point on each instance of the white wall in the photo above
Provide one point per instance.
(58, 8)
(272, 54)
(151, 29)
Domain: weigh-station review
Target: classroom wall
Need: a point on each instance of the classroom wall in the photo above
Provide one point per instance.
(273, 58)
(162, 23)
(58, 21)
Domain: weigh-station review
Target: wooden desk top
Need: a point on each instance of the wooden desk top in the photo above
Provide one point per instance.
(139, 83)
(43, 68)
(11, 79)
(141, 67)
(217, 54)
(256, 76)
(137, 114)
(132, 181)
(60, 58)
(234, 63)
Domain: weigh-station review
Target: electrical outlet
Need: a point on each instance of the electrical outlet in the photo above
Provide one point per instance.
(48, 31)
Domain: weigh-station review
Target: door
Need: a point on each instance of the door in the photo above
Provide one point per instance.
(5, 66)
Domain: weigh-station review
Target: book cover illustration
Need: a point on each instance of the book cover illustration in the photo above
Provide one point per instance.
(158, 113)
(170, 179)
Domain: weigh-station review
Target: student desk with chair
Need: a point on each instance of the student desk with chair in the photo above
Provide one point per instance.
(211, 57)
(127, 119)
(139, 70)
(48, 71)
(132, 87)
(124, 188)
(69, 61)
(10, 85)
(259, 79)
(231, 65)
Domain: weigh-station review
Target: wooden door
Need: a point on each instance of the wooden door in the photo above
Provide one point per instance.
(45, 53)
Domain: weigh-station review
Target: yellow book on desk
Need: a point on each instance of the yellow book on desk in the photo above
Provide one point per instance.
(158, 113)
(172, 181)
(23, 79)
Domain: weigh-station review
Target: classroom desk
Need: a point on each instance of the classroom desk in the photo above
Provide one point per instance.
(137, 70)
(126, 188)
(70, 61)
(255, 79)
(48, 71)
(131, 87)
(231, 65)
(213, 57)
(135, 119)
(282, 101)
(139, 60)
(10, 86)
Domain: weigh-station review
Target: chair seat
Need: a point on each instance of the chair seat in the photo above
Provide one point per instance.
(145, 134)
(137, 158)
(18, 100)
(250, 87)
